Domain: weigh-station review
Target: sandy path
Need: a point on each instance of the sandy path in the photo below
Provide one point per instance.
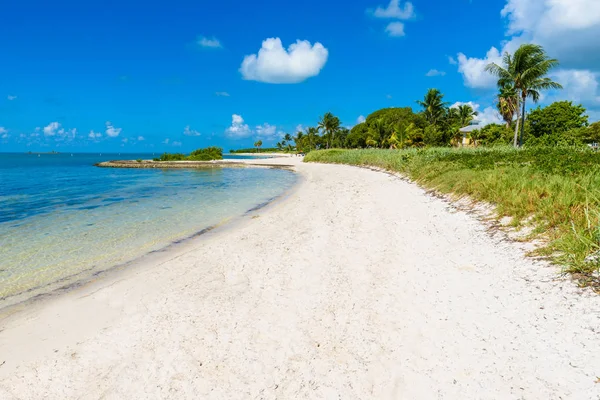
(356, 286)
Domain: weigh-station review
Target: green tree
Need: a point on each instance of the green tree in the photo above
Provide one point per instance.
(312, 135)
(526, 70)
(357, 138)
(299, 140)
(329, 124)
(257, 144)
(466, 114)
(556, 119)
(378, 132)
(433, 106)
(508, 103)
(414, 136)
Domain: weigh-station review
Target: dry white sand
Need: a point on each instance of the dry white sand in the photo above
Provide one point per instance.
(357, 285)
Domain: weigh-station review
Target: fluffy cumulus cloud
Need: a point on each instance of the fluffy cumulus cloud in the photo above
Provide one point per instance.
(394, 10)
(488, 115)
(54, 129)
(435, 72)
(266, 131)
(473, 69)
(579, 85)
(238, 128)
(568, 30)
(111, 131)
(275, 64)
(395, 29)
(360, 119)
(209, 42)
(3, 132)
(94, 135)
(187, 131)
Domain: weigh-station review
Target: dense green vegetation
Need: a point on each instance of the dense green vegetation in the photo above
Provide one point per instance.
(207, 154)
(557, 189)
(522, 76)
(255, 150)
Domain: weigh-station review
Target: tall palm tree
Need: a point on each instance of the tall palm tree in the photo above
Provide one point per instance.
(508, 105)
(526, 70)
(378, 131)
(330, 124)
(433, 105)
(466, 114)
(311, 134)
(299, 140)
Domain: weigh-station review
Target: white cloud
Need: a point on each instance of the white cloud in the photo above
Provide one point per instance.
(489, 115)
(176, 143)
(3, 130)
(222, 94)
(187, 131)
(274, 64)
(567, 29)
(299, 128)
(54, 129)
(360, 119)
(395, 10)
(211, 42)
(51, 129)
(111, 131)
(238, 129)
(4, 136)
(124, 140)
(94, 135)
(473, 69)
(395, 29)
(388, 96)
(9, 97)
(435, 72)
(580, 85)
(266, 129)
(141, 138)
(452, 60)
(166, 141)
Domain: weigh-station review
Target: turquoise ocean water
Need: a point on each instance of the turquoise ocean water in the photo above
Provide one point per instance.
(63, 220)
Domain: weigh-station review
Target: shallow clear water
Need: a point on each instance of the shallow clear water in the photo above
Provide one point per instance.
(62, 219)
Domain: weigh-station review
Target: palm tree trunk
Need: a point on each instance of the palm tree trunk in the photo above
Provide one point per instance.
(522, 123)
(516, 138)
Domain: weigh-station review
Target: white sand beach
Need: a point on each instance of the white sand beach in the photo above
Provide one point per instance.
(356, 285)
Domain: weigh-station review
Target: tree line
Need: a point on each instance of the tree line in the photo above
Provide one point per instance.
(521, 76)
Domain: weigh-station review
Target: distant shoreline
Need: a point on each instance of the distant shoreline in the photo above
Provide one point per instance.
(149, 164)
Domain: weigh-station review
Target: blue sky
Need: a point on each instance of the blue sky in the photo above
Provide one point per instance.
(173, 76)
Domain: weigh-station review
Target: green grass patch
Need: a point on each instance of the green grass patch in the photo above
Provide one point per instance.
(558, 188)
(206, 154)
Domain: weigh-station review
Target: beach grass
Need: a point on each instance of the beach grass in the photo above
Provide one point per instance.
(554, 189)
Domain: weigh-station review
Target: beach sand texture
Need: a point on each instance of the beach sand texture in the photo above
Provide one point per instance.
(356, 285)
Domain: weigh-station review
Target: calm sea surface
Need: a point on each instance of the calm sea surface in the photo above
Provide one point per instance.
(62, 219)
